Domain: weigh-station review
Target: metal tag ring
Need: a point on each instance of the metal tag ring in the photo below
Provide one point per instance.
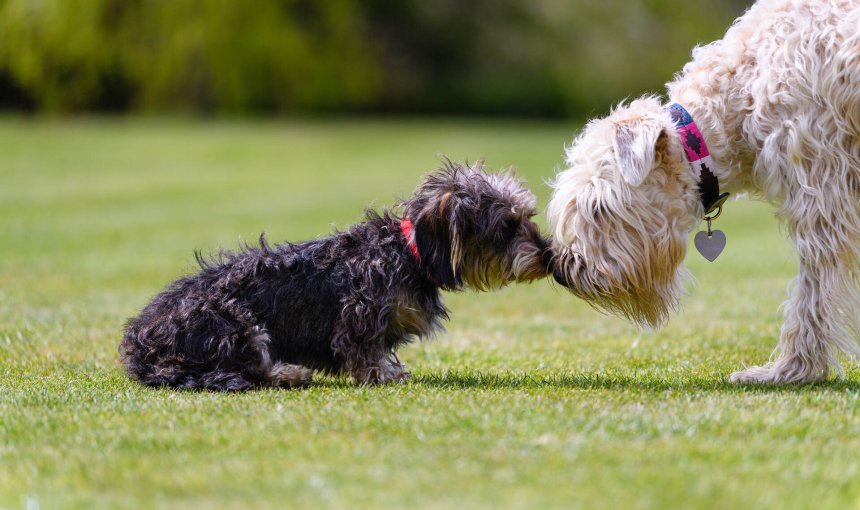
(715, 216)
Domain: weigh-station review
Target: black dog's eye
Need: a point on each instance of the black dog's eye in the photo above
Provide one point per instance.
(507, 230)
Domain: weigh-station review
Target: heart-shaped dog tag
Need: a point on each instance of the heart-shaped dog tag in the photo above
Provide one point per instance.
(710, 246)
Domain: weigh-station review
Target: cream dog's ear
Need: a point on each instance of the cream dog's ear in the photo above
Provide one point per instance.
(635, 146)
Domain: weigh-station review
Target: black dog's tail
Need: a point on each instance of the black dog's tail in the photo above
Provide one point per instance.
(150, 362)
(219, 356)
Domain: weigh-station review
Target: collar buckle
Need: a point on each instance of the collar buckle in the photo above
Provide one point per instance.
(716, 205)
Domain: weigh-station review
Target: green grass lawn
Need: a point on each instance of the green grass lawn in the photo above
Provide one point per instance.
(529, 400)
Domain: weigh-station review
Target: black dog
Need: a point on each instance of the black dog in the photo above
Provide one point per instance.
(269, 316)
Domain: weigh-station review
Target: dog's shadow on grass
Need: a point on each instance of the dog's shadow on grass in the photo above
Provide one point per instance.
(476, 380)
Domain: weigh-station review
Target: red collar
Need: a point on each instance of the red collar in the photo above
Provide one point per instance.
(406, 228)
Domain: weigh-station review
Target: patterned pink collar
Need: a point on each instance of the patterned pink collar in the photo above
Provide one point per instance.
(698, 158)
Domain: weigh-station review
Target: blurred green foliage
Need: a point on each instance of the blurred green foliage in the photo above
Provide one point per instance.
(532, 57)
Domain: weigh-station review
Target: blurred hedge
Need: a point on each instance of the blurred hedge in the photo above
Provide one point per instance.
(534, 57)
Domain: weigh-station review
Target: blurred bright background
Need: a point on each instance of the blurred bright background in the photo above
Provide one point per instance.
(544, 58)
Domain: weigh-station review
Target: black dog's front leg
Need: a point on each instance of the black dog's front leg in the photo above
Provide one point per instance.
(389, 369)
(361, 340)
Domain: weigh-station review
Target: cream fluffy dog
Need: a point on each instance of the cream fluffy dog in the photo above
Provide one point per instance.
(777, 102)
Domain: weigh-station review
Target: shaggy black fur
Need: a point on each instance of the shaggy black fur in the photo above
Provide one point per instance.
(269, 316)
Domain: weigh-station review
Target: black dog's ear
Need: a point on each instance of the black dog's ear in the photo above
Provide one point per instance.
(438, 234)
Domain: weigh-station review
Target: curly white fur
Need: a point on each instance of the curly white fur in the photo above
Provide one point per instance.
(778, 102)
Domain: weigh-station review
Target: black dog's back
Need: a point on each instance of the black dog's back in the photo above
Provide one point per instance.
(215, 329)
(299, 304)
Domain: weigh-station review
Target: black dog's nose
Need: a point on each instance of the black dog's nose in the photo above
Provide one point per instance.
(547, 258)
